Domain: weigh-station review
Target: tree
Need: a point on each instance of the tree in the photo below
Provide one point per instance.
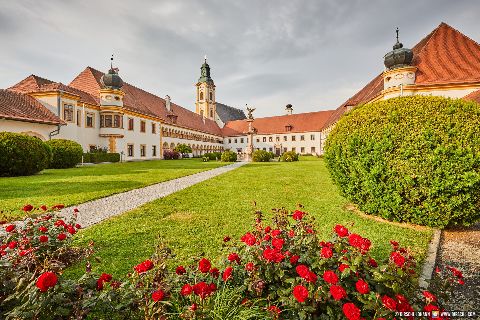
(183, 148)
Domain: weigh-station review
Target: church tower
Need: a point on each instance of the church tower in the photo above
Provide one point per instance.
(205, 101)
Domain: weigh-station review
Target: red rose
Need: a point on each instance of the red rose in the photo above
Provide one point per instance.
(27, 208)
(267, 237)
(351, 311)
(12, 245)
(144, 266)
(71, 229)
(300, 293)
(457, 273)
(394, 244)
(158, 295)
(234, 257)
(250, 266)
(362, 287)
(298, 215)
(268, 229)
(44, 208)
(326, 252)
(429, 296)
(59, 223)
(76, 210)
(311, 277)
(294, 259)
(42, 229)
(278, 243)
(25, 252)
(78, 226)
(337, 292)
(58, 206)
(105, 277)
(389, 303)
(249, 239)
(202, 289)
(330, 277)
(403, 305)
(355, 240)
(398, 259)
(226, 239)
(274, 309)
(430, 308)
(227, 274)
(276, 233)
(302, 270)
(193, 307)
(214, 272)
(180, 270)
(46, 280)
(341, 230)
(186, 290)
(204, 265)
(372, 263)
(365, 246)
(62, 236)
(273, 255)
(291, 233)
(342, 267)
(10, 228)
(43, 238)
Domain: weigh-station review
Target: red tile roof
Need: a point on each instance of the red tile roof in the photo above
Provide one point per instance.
(302, 122)
(445, 56)
(22, 107)
(474, 96)
(146, 103)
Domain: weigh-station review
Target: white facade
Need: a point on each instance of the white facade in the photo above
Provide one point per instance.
(39, 130)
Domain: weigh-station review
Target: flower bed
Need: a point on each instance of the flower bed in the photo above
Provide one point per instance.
(279, 271)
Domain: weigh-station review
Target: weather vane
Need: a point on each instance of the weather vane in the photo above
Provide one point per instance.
(205, 58)
(111, 62)
(397, 34)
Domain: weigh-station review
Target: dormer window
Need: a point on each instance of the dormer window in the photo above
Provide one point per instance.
(288, 127)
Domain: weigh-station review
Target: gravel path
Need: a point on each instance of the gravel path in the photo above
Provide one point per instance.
(460, 248)
(95, 211)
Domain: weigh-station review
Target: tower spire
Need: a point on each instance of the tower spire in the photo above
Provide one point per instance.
(397, 34)
(111, 62)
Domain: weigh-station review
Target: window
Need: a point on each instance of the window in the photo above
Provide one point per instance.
(211, 96)
(312, 149)
(142, 126)
(284, 149)
(130, 150)
(201, 95)
(241, 140)
(312, 137)
(293, 149)
(89, 120)
(236, 140)
(288, 127)
(79, 118)
(302, 138)
(264, 149)
(294, 138)
(264, 139)
(277, 138)
(154, 128)
(68, 112)
(270, 139)
(92, 147)
(130, 124)
(302, 150)
(258, 140)
(142, 150)
(154, 151)
(110, 121)
(239, 150)
(117, 121)
(284, 138)
(211, 113)
(270, 149)
(229, 140)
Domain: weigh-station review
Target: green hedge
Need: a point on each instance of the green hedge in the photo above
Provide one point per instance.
(65, 153)
(413, 159)
(261, 156)
(213, 155)
(97, 157)
(229, 156)
(289, 156)
(22, 155)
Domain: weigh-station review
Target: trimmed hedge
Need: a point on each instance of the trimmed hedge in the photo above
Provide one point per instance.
(289, 156)
(229, 156)
(413, 159)
(22, 155)
(65, 153)
(261, 156)
(97, 157)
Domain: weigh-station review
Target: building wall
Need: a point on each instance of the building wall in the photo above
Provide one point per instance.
(32, 129)
(277, 143)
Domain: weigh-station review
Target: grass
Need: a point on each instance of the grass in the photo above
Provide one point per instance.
(77, 185)
(193, 221)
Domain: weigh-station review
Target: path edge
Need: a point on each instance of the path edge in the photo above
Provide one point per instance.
(430, 260)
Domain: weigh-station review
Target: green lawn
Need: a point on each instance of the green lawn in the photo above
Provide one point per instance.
(77, 185)
(194, 220)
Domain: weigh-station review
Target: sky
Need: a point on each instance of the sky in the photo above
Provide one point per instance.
(312, 54)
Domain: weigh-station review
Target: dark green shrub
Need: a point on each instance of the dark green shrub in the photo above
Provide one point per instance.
(272, 155)
(22, 155)
(213, 155)
(261, 156)
(65, 153)
(289, 156)
(97, 157)
(229, 156)
(413, 159)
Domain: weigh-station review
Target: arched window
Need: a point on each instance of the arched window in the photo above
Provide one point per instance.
(211, 113)
(201, 95)
(211, 96)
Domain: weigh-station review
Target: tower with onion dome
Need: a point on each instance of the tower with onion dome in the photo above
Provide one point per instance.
(205, 104)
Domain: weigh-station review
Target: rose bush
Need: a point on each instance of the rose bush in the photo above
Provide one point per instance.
(278, 271)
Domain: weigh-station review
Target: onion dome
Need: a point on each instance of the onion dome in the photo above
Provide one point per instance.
(205, 73)
(111, 79)
(398, 57)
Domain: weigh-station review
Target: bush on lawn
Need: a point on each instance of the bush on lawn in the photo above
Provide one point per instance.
(171, 155)
(65, 153)
(183, 148)
(279, 270)
(214, 156)
(261, 156)
(229, 156)
(22, 155)
(289, 156)
(414, 159)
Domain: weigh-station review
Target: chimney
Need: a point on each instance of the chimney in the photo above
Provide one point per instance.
(289, 109)
(167, 102)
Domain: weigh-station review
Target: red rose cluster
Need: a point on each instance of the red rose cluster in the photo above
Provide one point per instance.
(46, 281)
(144, 266)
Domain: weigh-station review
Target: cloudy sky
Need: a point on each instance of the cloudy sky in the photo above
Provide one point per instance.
(313, 54)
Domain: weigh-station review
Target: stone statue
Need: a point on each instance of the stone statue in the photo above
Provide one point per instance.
(250, 111)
